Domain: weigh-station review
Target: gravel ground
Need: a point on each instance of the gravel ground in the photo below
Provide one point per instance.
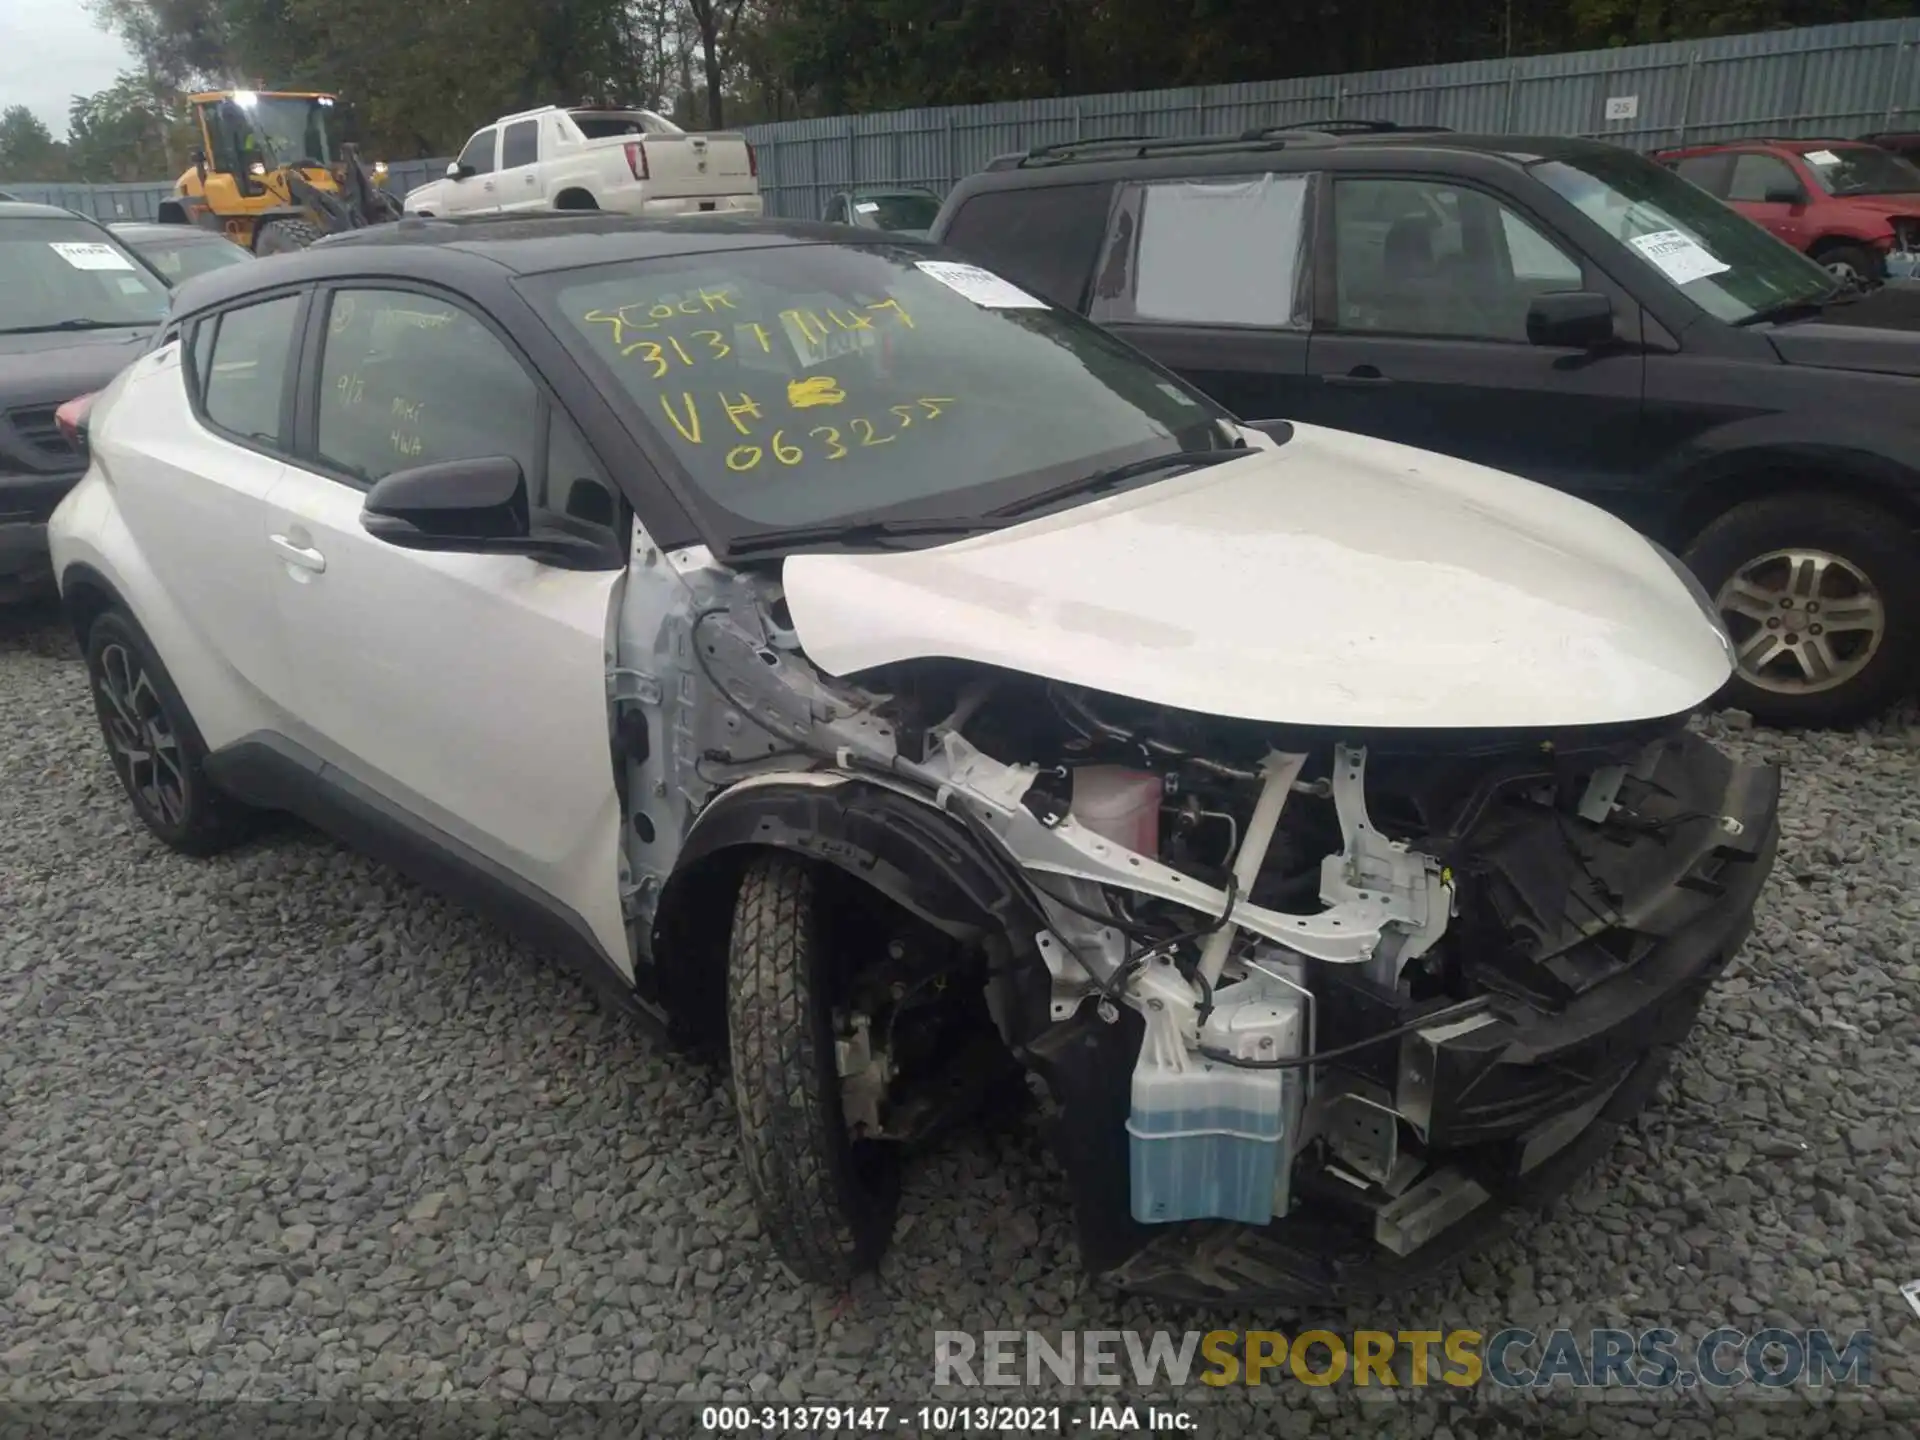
(284, 1125)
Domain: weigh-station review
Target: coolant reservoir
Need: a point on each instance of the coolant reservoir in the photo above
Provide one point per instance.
(1119, 804)
(1211, 1141)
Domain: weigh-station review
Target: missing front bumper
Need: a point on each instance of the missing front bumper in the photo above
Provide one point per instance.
(1505, 1113)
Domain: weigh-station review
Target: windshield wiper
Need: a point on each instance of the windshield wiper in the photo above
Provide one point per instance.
(1104, 479)
(1804, 307)
(849, 532)
(79, 325)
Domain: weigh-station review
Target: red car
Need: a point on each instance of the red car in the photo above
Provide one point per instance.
(1852, 206)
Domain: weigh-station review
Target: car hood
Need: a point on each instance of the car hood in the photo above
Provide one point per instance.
(53, 368)
(1336, 580)
(1879, 332)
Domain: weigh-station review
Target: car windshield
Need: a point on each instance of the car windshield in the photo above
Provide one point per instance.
(1862, 170)
(895, 212)
(800, 385)
(57, 273)
(183, 258)
(1716, 257)
(298, 129)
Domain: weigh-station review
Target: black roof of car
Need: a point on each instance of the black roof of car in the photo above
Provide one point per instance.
(529, 243)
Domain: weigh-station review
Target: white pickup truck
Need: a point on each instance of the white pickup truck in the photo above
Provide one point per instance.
(631, 161)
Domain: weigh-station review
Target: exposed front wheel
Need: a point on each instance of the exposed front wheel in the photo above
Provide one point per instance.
(826, 1200)
(155, 747)
(1822, 600)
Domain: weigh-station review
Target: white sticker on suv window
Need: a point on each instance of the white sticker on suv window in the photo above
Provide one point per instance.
(89, 255)
(1822, 157)
(1680, 257)
(982, 287)
(867, 207)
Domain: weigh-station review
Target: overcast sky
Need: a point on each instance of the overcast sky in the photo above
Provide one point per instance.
(50, 51)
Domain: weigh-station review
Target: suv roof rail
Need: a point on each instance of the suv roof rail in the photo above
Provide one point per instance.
(1336, 125)
(1141, 147)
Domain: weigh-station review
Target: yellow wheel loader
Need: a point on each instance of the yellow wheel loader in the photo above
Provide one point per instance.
(274, 172)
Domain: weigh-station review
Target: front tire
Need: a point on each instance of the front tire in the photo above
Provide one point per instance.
(826, 1201)
(1822, 599)
(1856, 265)
(155, 746)
(282, 237)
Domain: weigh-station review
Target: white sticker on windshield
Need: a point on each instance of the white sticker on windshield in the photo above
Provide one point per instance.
(1680, 257)
(1822, 157)
(867, 207)
(89, 255)
(982, 287)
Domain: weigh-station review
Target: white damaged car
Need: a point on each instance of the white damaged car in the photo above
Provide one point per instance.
(909, 689)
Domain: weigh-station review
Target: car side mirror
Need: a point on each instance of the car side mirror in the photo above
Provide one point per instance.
(1785, 195)
(477, 506)
(457, 171)
(1571, 320)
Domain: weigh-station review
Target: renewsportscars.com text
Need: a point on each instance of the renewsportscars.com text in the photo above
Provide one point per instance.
(1512, 1358)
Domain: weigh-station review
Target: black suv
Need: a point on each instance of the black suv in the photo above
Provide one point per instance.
(1559, 308)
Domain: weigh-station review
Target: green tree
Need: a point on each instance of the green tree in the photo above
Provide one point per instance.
(136, 129)
(28, 150)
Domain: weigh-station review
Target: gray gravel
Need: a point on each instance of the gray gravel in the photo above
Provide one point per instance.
(283, 1125)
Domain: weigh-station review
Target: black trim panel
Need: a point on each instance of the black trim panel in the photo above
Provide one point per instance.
(274, 773)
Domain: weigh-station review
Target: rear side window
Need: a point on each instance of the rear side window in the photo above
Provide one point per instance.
(1227, 251)
(520, 144)
(1757, 176)
(1709, 172)
(240, 359)
(1044, 239)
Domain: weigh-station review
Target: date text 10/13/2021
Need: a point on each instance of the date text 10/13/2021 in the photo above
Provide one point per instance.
(950, 1419)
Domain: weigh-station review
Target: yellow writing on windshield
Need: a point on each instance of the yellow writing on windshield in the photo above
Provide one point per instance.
(637, 331)
(650, 315)
(836, 442)
(815, 390)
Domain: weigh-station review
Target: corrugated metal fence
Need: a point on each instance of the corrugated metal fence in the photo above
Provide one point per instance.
(1827, 80)
(1830, 80)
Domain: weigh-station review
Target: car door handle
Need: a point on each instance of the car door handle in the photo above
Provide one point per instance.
(1359, 375)
(303, 556)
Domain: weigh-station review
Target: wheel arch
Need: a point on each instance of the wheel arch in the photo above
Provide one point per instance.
(916, 857)
(1712, 489)
(86, 595)
(575, 197)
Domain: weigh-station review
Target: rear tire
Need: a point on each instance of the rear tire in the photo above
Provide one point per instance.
(1865, 567)
(281, 237)
(155, 746)
(827, 1204)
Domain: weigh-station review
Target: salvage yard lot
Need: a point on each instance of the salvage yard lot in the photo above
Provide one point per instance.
(285, 1125)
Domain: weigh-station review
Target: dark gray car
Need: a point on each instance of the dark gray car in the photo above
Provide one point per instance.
(76, 306)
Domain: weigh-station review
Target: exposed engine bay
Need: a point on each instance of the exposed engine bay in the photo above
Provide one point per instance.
(1361, 983)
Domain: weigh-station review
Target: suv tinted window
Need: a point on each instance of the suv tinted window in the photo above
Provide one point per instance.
(1043, 238)
(1208, 252)
(1421, 257)
(244, 354)
(479, 153)
(520, 144)
(1754, 175)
